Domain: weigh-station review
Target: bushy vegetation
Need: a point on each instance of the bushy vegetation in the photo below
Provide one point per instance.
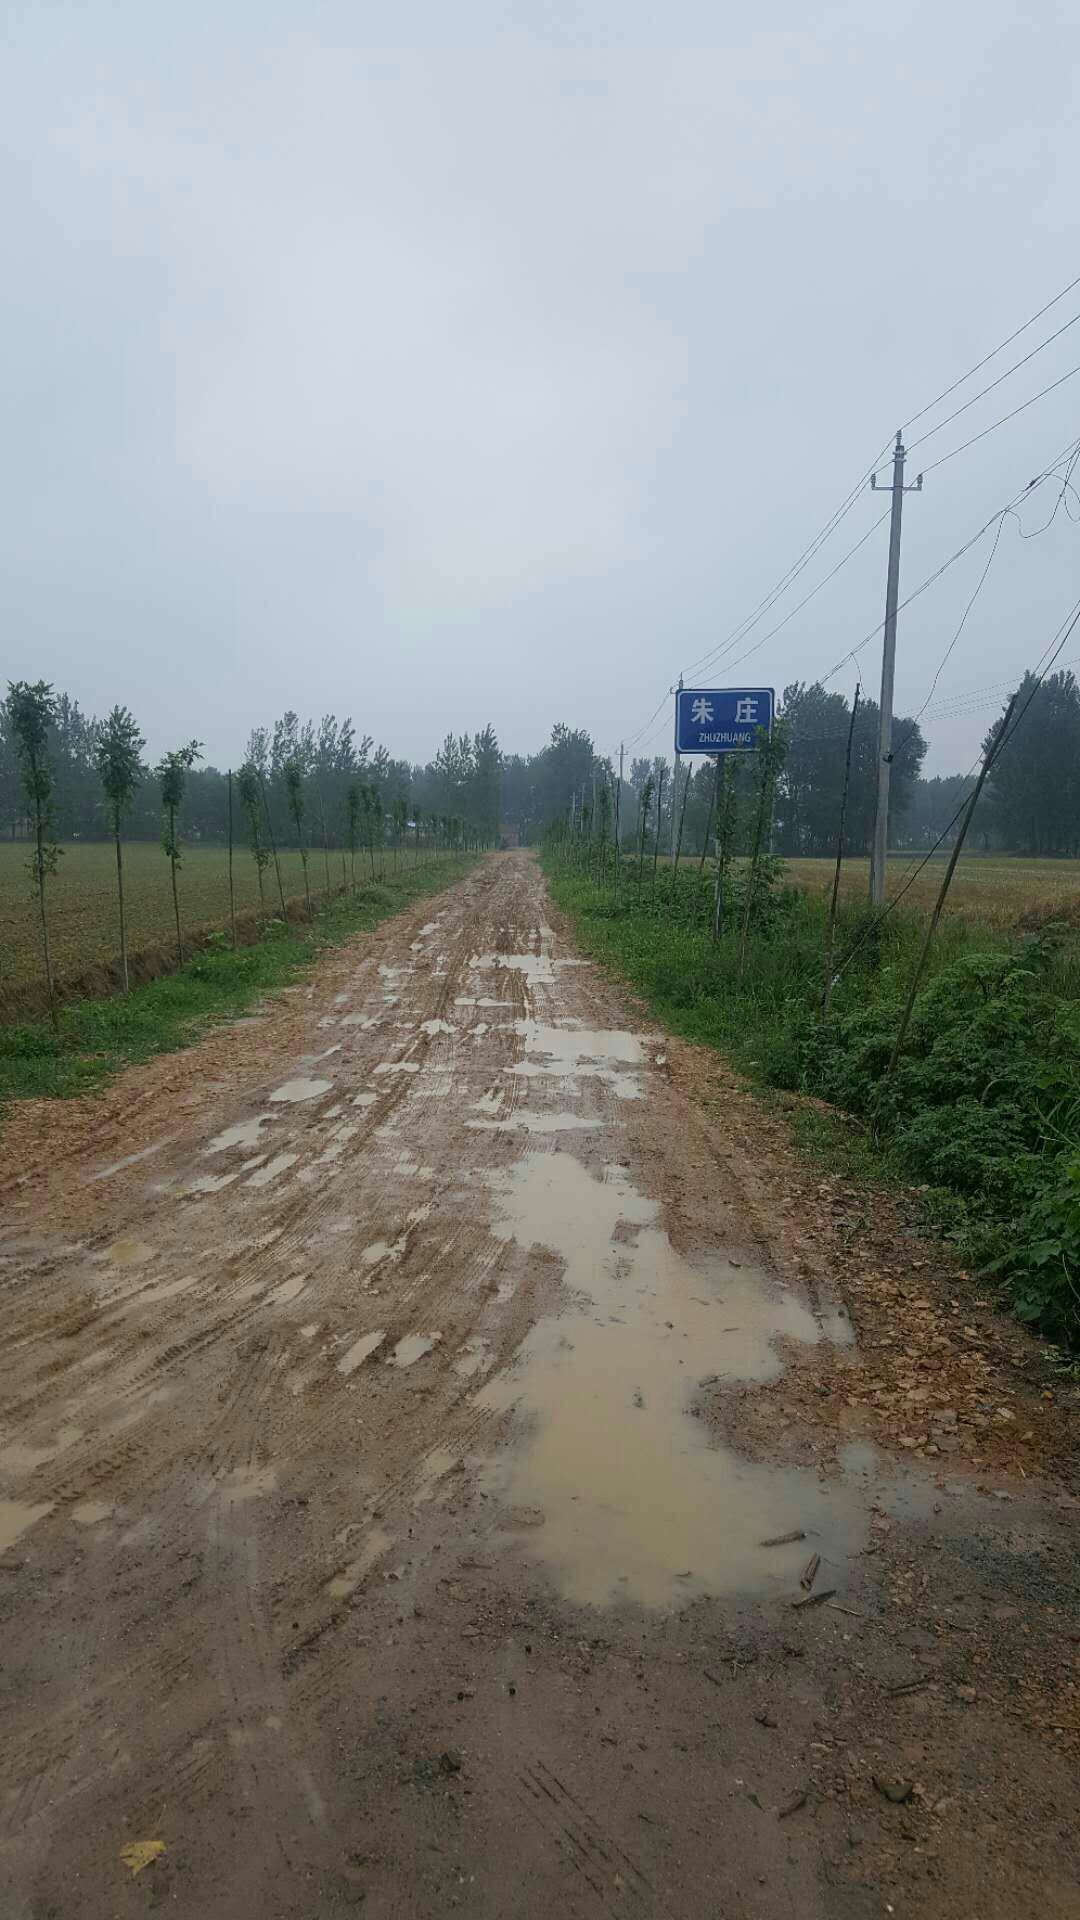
(983, 1109)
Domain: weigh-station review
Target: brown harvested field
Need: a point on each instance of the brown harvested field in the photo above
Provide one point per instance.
(82, 902)
(999, 891)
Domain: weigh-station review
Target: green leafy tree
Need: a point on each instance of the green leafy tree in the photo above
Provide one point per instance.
(354, 806)
(31, 712)
(293, 775)
(249, 788)
(119, 768)
(1034, 787)
(172, 772)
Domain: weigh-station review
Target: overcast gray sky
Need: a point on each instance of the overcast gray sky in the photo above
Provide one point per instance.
(357, 363)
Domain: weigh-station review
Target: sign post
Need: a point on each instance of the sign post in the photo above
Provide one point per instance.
(714, 720)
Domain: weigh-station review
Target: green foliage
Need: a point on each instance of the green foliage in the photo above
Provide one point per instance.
(983, 1111)
(116, 758)
(31, 711)
(172, 772)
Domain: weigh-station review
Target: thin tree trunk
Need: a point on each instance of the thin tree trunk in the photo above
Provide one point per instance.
(708, 825)
(50, 984)
(273, 848)
(325, 847)
(120, 895)
(830, 936)
(232, 895)
(656, 844)
(759, 828)
(175, 890)
(725, 834)
(678, 842)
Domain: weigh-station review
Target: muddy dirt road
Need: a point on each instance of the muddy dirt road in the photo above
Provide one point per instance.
(395, 1413)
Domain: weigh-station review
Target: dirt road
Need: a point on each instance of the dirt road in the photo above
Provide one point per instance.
(400, 1392)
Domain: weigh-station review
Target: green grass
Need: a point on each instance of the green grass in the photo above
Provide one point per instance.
(983, 1110)
(98, 1037)
(82, 901)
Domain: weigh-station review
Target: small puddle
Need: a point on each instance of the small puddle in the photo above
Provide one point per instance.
(16, 1518)
(301, 1089)
(279, 1164)
(92, 1512)
(361, 1350)
(569, 1047)
(212, 1183)
(535, 1123)
(19, 1458)
(413, 1347)
(246, 1133)
(129, 1252)
(632, 1497)
(290, 1289)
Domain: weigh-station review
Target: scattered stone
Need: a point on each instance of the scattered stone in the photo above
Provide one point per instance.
(895, 1790)
(792, 1804)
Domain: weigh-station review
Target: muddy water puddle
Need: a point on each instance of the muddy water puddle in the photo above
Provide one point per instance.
(638, 1501)
(16, 1518)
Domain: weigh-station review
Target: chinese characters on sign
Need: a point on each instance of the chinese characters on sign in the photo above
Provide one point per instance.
(721, 719)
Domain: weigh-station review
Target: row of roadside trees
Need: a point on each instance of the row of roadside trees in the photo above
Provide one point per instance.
(317, 792)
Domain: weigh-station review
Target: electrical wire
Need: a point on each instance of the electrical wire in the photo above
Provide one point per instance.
(1005, 418)
(1009, 371)
(932, 578)
(998, 747)
(963, 619)
(713, 655)
(992, 355)
(787, 579)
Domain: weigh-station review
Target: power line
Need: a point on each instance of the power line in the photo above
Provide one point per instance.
(992, 355)
(932, 578)
(861, 542)
(1005, 418)
(712, 655)
(963, 619)
(1009, 371)
(787, 579)
(1064, 632)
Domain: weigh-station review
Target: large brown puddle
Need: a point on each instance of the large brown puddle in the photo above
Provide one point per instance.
(638, 1501)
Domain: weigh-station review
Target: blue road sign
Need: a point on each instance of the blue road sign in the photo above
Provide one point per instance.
(721, 719)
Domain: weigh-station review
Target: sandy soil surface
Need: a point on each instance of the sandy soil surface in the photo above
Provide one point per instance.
(452, 1457)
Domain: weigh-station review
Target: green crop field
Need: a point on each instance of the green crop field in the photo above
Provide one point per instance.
(82, 902)
(997, 891)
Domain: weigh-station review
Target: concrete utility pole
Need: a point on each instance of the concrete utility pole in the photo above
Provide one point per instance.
(888, 671)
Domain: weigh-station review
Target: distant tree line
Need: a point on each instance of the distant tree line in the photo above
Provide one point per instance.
(1031, 805)
(462, 783)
